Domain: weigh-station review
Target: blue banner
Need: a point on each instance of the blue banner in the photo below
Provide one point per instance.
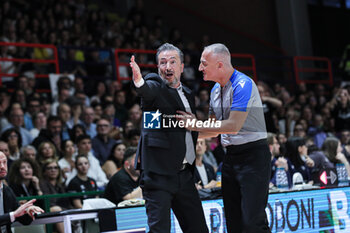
(323, 211)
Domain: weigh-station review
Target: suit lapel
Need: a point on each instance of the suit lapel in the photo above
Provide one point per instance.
(189, 97)
(177, 98)
(6, 197)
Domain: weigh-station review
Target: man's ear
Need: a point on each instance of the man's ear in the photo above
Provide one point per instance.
(220, 64)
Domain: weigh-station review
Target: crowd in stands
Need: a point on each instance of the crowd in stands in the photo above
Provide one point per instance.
(80, 139)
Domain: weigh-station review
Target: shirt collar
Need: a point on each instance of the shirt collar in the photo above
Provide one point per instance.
(179, 88)
(230, 81)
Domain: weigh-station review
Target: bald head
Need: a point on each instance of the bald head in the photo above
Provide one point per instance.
(220, 51)
(215, 64)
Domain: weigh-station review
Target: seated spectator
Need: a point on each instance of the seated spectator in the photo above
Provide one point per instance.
(64, 82)
(16, 121)
(63, 95)
(46, 151)
(28, 151)
(277, 161)
(52, 133)
(76, 110)
(204, 175)
(95, 171)
(81, 182)
(282, 139)
(299, 131)
(82, 100)
(88, 118)
(79, 87)
(124, 185)
(19, 96)
(321, 161)
(14, 140)
(101, 90)
(127, 127)
(269, 105)
(101, 143)
(33, 107)
(64, 113)
(133, 137)
(67, 161)
(317, 130)
(52, 184)
(345, 143)
(115, 160)
(4, 148)
(296, 152)
(135, 115)
(332, 149)
(39, 121)
(340, 109)
(98, 111)
(109, 112)
(208, 156)
(121, 113)
(76, 131)
(24, 178)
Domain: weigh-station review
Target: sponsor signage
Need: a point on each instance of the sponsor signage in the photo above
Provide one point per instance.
(323, 210)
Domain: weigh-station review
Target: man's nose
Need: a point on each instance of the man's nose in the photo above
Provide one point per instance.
(200, 68)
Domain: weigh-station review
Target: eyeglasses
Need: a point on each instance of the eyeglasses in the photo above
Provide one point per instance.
(52, 168)
(13, 136)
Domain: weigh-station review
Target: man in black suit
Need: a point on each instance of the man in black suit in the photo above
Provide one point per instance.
(166, 154)
(10, 209)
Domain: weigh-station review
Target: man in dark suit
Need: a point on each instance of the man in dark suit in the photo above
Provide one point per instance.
(10, 211)
(166, 153)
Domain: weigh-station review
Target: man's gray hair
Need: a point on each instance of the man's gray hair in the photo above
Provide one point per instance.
(24, 148)
(218, 49)
(169, 47)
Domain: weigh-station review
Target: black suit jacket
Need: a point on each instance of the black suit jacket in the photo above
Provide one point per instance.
(162, 151)
(210, 173)
(11, 204)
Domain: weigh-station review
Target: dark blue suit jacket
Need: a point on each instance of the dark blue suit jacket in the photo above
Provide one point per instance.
(162, 151)
(11, 204)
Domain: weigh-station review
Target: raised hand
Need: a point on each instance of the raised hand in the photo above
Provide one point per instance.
(185, 117)
(136, 72)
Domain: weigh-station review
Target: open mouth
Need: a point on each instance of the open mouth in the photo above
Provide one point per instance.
(169, 75)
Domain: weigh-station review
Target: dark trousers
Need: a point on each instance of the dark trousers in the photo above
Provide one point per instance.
(180, 195)
(245, 187)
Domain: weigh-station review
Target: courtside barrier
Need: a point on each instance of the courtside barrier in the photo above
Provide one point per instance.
(48, 197)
